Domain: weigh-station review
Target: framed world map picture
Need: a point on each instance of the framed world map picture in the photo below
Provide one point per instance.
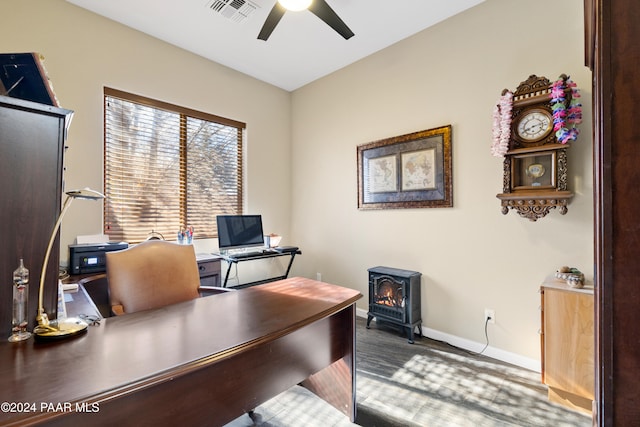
(407, 171)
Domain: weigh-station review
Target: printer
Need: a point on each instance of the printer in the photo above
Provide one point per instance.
(90, 257)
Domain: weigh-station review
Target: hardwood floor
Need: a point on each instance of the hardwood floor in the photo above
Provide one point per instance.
(425, 384)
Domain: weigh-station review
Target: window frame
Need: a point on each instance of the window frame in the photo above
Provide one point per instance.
(184, 113)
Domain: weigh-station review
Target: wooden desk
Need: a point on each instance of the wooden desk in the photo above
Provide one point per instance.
(198, 363)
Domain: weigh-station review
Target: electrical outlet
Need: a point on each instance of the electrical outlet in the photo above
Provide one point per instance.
(489, 314)
(319, 277)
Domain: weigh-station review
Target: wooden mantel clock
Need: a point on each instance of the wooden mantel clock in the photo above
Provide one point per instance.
(535, 163)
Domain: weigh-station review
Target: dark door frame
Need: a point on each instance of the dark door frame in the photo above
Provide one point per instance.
(612, 38)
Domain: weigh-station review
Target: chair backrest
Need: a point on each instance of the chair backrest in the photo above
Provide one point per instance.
(151, 274)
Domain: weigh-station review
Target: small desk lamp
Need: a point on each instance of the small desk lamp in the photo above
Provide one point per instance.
(62, 328)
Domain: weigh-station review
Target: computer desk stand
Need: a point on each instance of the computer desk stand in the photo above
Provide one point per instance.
(230, 259)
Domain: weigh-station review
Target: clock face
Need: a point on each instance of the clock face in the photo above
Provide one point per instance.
(534, 125)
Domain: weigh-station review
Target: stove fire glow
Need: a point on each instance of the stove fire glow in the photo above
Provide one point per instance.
(389, 296)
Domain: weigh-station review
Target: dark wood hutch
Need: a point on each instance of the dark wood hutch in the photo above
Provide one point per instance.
(32, 138)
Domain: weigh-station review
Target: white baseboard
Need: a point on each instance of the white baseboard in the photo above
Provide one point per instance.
(493, 352)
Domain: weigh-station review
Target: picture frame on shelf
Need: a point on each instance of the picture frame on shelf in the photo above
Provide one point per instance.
(406, 171)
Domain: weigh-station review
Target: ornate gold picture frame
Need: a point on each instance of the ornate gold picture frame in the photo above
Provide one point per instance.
(407, 171)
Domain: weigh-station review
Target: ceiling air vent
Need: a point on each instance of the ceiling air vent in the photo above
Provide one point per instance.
(235, 10)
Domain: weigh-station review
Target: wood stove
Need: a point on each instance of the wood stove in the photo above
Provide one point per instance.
(394, 297)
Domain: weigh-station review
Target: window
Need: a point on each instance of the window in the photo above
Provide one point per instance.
(167, 167)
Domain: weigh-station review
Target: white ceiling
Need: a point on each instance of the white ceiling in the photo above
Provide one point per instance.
(301, 49)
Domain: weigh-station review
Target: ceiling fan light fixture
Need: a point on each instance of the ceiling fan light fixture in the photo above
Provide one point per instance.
(295, 5)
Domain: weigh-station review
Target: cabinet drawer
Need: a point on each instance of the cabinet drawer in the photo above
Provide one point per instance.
(209, 267)
(209, 281)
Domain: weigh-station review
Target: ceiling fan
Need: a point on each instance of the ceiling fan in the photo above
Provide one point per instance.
(320, 8)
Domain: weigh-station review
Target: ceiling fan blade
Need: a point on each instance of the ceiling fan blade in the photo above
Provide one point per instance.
(322, 10)
(272, 20)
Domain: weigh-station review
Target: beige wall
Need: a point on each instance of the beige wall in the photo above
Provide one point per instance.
(471, 256)
(84, 52)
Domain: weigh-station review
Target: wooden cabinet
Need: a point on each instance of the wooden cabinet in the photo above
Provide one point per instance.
(567, 341)
(209, 269)
(32, 139)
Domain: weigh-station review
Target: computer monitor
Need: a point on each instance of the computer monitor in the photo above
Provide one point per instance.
(239, 231)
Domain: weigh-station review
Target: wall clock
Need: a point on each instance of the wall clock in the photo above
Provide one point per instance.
(533, 125)
(535, 166)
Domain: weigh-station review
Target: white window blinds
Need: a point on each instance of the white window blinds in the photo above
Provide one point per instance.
(167, 167)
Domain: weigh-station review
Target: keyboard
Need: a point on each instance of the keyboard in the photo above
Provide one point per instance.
(241, 255)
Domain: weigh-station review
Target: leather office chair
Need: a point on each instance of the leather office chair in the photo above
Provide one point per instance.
(151, 274)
